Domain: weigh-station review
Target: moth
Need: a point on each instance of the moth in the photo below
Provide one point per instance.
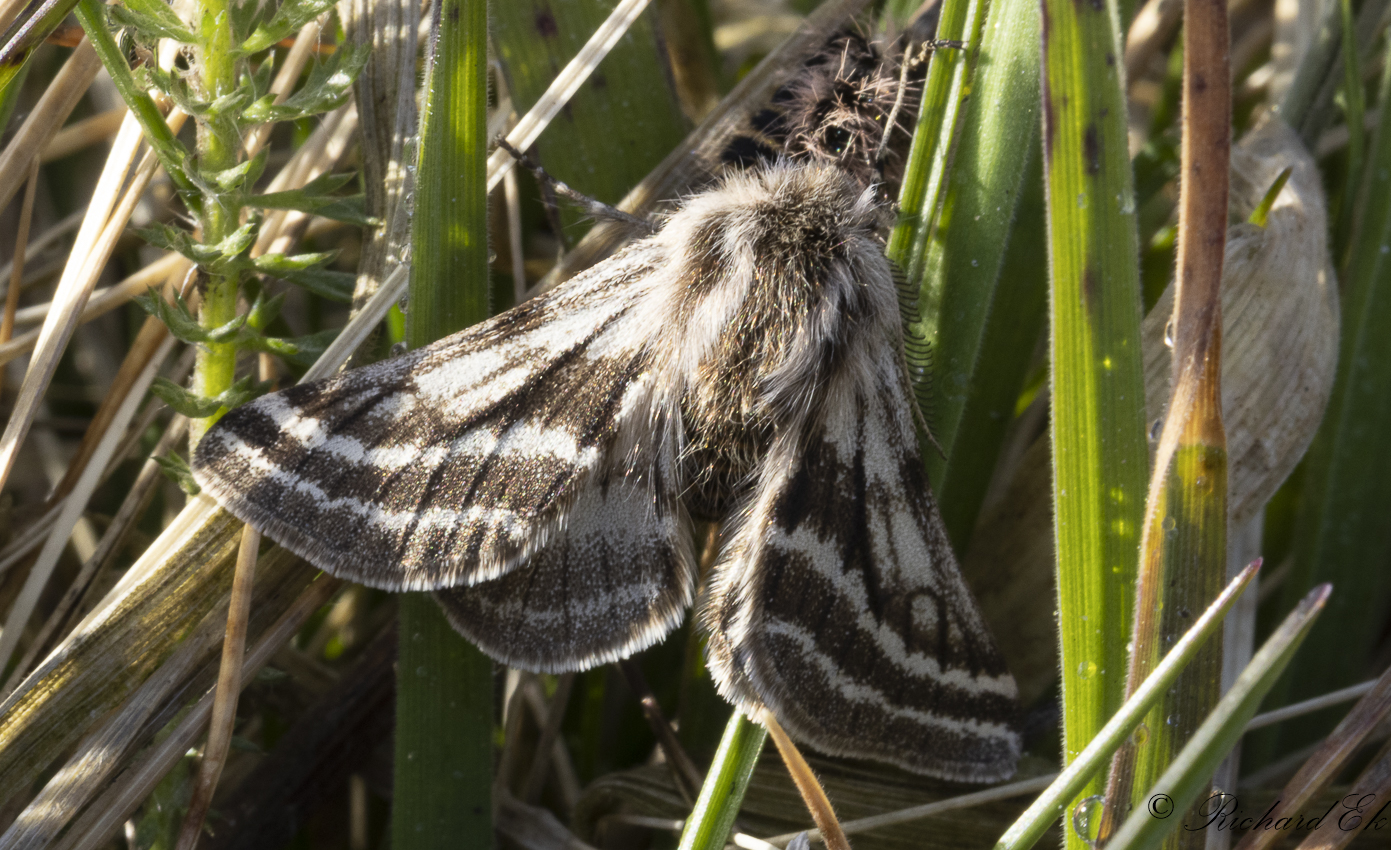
(541, 471)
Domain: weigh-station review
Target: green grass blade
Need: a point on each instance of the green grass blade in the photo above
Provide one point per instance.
(963, 291)
(722, 794)
(619, 124)
(1179, 787)
(1098, 424)
(34, 23)
(939, 116)
(1183, 548)
(1341, 534)
(444, 704)
(1029, 828)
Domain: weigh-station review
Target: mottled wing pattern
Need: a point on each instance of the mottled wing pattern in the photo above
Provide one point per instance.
(452, 463)
(614, 581)
(840, 607)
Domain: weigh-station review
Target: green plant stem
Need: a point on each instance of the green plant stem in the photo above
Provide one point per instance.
(91, 14)
(1098, 421)
(444, 695)
(722, 794)
(214, 370)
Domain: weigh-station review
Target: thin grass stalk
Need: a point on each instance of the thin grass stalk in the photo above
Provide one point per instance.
(444, 696)
(1029, 828)
(566, 84)
(1098, 426)
(229, 685)
(70, 296)
(827, 824)
(1340, 532)
(722, 795)
(99, 304)
(73, 509)
(627, 109)
(26, 212)
(1182, 784)
(962, 291)
(1183, 550)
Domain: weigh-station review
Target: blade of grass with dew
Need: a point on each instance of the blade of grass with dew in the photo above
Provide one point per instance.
(1043, 811)
(619, 125)
(962, 287)
(711, 820)
(1191, 770)
(444, 686)
(26, 32)
(1183, 548)
(1341, 533)
(1098, 419)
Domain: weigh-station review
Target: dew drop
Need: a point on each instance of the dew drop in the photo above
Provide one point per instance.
(1086, 669)
(1086, 818)
(1169, 334)
(1140, 735)
(1169, 523)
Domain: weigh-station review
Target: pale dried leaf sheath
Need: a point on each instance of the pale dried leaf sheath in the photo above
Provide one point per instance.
(1279, 331)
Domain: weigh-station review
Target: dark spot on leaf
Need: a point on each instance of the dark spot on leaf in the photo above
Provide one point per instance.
(598, 80)
(1091, 149)
(545, 24)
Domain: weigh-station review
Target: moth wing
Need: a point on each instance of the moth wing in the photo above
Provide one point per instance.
(615, 579)
(839, 605)
(452, 463)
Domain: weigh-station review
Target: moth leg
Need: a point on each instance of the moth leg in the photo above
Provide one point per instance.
(592, 206)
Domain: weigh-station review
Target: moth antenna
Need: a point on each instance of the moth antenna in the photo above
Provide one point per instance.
(591, 206)
(915, 353)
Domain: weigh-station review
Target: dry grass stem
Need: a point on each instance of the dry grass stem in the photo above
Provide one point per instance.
(135, 502)
(72, 292)
(827, 826)
(229, 684)
(103, 301)
(122, 797)
(1308, 706)
(688, 776)
(80, 135)
(76, 503)
(21, 242)
(47, 116)
(1321, 767)
(68, 224)
(550, 733)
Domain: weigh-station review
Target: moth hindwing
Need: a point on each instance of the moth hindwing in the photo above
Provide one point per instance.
(540, 473)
